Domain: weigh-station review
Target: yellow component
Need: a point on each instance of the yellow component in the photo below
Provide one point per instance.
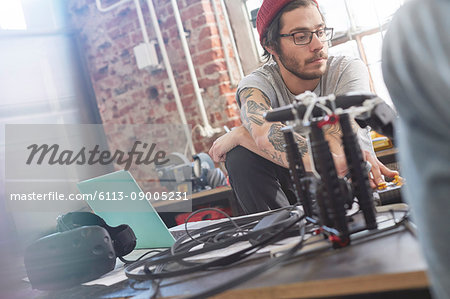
(374, 134)
(398, 180)
(382, 186)
(380, 142)
(183, 188)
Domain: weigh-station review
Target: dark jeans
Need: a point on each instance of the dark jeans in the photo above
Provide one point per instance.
(259, 184)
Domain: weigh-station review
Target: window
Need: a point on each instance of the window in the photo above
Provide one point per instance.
(41, 82)
(11, 15)
(360, 27)
(252, 7)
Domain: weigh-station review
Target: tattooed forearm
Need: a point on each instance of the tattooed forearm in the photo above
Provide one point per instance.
(334, 131)
(302, 145)
(276, 137)
(274, 155)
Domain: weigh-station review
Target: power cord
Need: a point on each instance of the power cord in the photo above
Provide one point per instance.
(126, 262)
(186, 250)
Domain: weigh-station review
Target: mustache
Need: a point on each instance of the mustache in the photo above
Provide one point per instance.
(318, 56)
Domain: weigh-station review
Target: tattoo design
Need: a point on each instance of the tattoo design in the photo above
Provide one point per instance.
(274, 156)
(276, 137)
(334, 131)
(302, 145)
(252, 112)
(245, 94)
(245, 120)
(255, 112)
(267, 100)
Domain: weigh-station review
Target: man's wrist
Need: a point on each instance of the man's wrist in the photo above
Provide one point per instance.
(239, 134)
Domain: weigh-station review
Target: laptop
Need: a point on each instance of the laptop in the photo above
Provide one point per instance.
(104, 191)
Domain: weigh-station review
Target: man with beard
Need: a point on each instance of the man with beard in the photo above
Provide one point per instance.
(293, 33)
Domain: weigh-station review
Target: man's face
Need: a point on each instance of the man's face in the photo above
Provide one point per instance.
(307, 62)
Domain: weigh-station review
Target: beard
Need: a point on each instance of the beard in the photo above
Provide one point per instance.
(292, 65)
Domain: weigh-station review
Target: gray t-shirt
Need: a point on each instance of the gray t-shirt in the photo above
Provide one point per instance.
(343, 74)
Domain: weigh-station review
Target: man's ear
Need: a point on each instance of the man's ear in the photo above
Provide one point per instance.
(269, 48)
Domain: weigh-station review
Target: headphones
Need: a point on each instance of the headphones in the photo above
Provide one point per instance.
(83, 249)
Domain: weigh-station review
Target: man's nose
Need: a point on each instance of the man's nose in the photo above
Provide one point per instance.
(316, 44)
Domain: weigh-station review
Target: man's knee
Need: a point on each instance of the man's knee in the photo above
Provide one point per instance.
(240, 161)
(238, 156)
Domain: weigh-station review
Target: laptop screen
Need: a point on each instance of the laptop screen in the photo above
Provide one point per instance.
(114, 198)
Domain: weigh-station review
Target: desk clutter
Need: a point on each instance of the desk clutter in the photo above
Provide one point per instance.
(270, 238)
(83, 249)
(331, 213)
(325, 201)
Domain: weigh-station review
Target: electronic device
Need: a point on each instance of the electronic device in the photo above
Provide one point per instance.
(150, 230)
(368, 109)
(84, 249)
(179, 174)
(389, 192)
(324, 196)
(326, 201)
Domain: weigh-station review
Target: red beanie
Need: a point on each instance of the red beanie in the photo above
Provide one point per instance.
(267, 12)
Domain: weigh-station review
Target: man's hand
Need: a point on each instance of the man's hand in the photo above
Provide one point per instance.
(222, 146)
(377, 170)
(227, 142)
(375, 173)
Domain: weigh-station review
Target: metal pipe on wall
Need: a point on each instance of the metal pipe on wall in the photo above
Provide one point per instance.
(141, 21)
(169, 70)
(111, 7)
(138, 10)
(163, 53)
(207, 129)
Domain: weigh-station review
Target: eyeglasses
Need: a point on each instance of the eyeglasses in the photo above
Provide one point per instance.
(305, 37)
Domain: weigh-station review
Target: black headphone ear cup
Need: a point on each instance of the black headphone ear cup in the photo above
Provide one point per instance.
(124, 240)
(64, 260)
(122, 236)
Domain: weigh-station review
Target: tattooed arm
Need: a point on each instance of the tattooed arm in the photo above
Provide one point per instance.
(267, 136)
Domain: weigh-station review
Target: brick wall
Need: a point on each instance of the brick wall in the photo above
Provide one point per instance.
(128, 95)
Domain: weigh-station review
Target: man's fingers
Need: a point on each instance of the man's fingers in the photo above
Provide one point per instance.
(386, 171)
(217, 154)
(372, 183)
(375, 169)
(377, 175)
(213, 153)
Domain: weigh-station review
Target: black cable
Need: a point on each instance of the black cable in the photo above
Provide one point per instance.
(277, 261)
(232, 258)
(185, 247)
(126, 262)
(252, 273)
(203, 210)
(217, 228)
